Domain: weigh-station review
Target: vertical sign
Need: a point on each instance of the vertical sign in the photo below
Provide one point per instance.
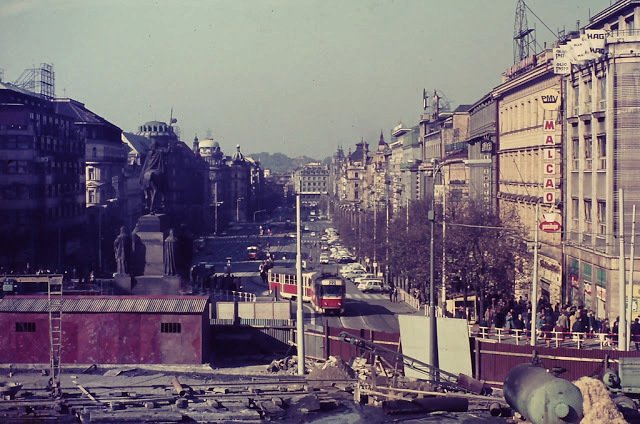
(550, 101)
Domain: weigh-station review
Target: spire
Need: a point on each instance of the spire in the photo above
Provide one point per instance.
(381, 142)
(196, 145)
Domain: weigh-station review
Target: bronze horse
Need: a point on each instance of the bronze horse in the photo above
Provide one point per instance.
(153, 186)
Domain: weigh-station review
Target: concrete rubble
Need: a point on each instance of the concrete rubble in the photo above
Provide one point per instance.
(247, 394)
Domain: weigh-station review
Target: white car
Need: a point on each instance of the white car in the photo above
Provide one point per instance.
(352, 273)
(324, 259)
(364, 276)
(373, 285)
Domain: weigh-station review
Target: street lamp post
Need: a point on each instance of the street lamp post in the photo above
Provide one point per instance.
(433, 347)
(299, 288)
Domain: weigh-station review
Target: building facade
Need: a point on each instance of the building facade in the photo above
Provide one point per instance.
(314, 183)
(105, 160)
(42, 183)
(602, 151)
(529, 156)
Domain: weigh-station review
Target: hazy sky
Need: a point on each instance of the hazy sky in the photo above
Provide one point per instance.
(290, 76)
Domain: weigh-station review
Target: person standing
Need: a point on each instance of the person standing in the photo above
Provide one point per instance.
(635, 333)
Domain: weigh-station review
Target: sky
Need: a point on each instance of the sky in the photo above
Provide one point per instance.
(299, 77)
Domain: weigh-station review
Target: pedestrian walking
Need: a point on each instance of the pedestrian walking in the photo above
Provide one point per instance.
(395, 294)
(391, 295)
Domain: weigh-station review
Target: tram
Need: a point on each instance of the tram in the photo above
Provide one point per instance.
(326, 291)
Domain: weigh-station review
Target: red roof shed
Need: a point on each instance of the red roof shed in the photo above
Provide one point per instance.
(108, 329)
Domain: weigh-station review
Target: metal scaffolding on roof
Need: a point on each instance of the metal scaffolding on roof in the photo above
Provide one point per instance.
(40, 80)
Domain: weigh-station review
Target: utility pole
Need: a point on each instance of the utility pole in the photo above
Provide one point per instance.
(299, 287)
(622, 324)
(433, 329)
(632, 254)
(375, 230)
(443, 293)
(386, 251)
(534, 285)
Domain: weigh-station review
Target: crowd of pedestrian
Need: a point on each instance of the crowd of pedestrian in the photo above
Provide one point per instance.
(511, 314)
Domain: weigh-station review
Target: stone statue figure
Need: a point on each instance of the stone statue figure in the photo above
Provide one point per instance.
(170, 254)
(153, 178)
(122, 251)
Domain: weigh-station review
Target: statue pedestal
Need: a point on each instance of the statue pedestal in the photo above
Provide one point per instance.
(152, 230)
(147, 261)
(123, 283)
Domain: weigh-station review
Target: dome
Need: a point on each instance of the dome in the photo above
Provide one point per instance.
(209, 142)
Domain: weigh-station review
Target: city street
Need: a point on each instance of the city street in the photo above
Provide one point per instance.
(363, 310)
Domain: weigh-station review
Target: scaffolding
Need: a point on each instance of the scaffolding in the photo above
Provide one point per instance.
(55, 332)
(523, 37)
(40, 80)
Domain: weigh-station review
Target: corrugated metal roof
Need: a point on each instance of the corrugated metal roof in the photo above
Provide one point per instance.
(108, 304)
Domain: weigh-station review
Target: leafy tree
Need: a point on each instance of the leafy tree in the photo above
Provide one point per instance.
(483, 250)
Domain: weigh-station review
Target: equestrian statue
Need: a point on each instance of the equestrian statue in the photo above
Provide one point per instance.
(153, 178)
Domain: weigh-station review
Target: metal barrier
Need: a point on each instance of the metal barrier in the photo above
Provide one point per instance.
(580, 340)
(408, 299)
(232, 296)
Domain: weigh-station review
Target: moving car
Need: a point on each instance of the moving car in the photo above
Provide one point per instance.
(252, 253)
(371, 285)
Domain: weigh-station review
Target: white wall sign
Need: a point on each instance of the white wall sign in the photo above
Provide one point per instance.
(550, 99)
(561, 63)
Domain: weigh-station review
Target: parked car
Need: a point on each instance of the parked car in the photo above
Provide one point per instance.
(324, 258)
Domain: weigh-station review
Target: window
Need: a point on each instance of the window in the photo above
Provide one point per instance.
(602, 92)
(588, 146)
(587, 215)
(92, 174)
(602, 151)
(92, 196)
(575, 212)
(587, 97)
(94, 152)
(25, 327)
(170, 327)
(575, 149)
(602, 218)
(576, 96)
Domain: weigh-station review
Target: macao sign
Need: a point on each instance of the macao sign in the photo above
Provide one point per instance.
(549, 162)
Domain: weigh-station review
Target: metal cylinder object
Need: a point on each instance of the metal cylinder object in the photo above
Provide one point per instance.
(541, 397)
(178, 387)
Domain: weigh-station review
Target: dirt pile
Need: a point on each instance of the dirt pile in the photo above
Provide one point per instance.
(333, 369)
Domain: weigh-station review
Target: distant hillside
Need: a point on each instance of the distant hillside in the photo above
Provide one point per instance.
(278, 162)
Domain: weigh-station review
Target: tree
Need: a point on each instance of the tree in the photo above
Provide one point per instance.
(482, 251)
(409, 245)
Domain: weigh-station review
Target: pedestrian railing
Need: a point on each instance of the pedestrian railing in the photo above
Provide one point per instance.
(232, 296)
(580, 340)
(408, 299)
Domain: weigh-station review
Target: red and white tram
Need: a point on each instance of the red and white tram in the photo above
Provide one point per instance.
(326, 291)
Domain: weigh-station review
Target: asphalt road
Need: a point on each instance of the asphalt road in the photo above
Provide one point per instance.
(373, 311)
